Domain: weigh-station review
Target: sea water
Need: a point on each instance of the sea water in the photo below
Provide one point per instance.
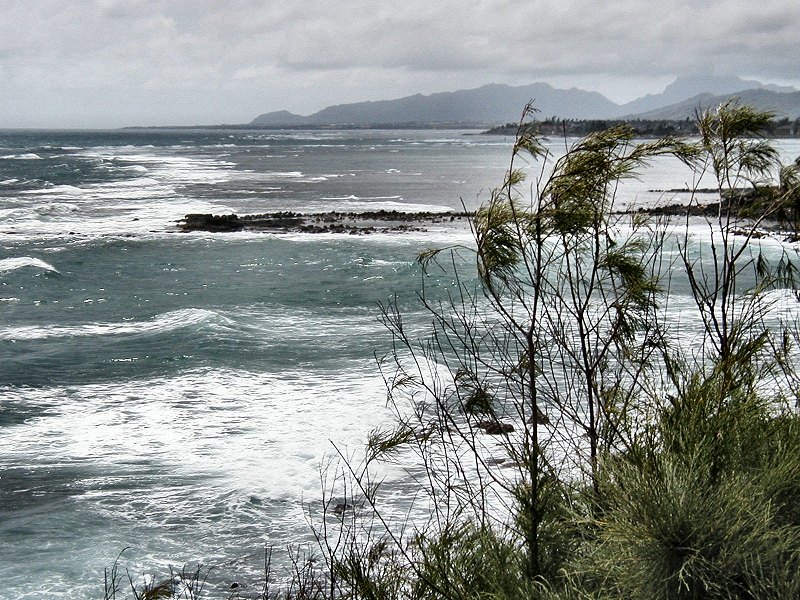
(178, 395)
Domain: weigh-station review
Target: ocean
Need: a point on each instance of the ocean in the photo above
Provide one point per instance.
(176, 396)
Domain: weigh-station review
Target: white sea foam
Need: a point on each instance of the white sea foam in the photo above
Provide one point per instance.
(365, 204)
(262, 435)
(233, 454)
(252, 426)
(445, 234)
(138, 206)
(175, 169)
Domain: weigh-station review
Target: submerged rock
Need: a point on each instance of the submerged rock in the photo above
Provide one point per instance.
(343, 506)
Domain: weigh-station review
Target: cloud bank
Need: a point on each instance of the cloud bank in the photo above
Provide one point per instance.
(122, 62)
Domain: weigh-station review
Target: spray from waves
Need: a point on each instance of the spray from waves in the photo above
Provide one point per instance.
(170, 321)
(13, 264)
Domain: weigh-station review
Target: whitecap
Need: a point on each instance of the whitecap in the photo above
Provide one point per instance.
(55, 208)
(13, 264)
(64, 190)
(357, 204)
(350, 197)
(285, 174)
(169, 321)
(26, 156)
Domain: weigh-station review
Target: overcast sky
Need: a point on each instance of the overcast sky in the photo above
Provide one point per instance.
(110, 63)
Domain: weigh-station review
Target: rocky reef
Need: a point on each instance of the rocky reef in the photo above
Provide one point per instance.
(330, 222)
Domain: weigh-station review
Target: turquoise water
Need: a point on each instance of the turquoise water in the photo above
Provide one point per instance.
(177, 394)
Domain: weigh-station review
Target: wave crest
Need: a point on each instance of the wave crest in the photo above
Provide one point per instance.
(169, 321)
(20, 262)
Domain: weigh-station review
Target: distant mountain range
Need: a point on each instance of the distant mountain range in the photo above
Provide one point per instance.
(783, 104)
(497, 103)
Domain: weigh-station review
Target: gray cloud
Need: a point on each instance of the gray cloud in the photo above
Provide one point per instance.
(117, 62)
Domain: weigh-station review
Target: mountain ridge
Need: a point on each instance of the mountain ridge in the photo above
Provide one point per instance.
(501, 103)
(782, 104)
(488, 103)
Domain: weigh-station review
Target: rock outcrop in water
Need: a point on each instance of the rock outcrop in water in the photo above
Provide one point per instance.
(329, 222)
(493, 427)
